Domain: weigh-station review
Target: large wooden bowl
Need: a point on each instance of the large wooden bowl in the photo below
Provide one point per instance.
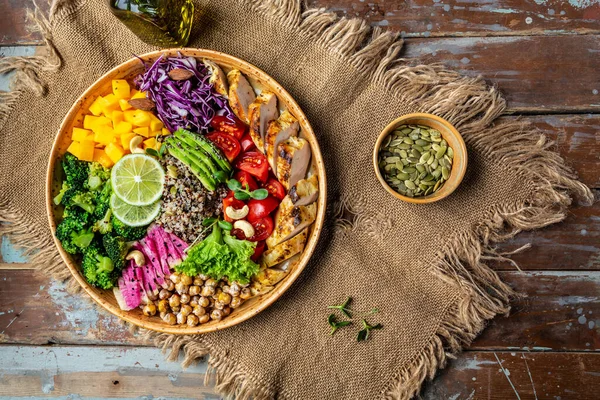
(74, 118)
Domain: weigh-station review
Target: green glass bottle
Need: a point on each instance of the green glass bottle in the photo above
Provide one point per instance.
(164, 23)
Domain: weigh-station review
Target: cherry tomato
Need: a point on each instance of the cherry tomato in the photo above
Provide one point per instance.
(275, 188)
(258, 250)
(226, 143)
(233, 202)
(262, 229)
(261, 208)
(230, 125)
(254, 163)
(245, 178)
(247, 143)
(239, 234)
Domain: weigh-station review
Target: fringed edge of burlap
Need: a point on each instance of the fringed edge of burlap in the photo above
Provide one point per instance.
(467, 102)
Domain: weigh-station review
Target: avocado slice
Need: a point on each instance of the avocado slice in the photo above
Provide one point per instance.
(207, 146)
(198, 170)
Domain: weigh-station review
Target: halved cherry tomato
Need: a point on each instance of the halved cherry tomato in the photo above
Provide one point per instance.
(254, 163)
(262, 229)
(275, 188)
(247, 143)
(246, 179)
(261, 208)
(227, 143)
(233, 202)
(258, 250)
(230, 125)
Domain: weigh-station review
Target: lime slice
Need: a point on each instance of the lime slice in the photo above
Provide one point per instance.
(134, 215)
(137, 179)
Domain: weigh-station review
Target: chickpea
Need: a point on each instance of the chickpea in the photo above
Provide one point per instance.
(163, 305)
(164, 294)
(216, 315)
(208, 291)
(185, 310)
(219, 305)
(171, 286)
(175, 309)
(224, 298)
(199, 311)
(210, 282)
(149, 310)
(211, 302)
(185, 298)
(194, 290)
(162, 315)
(174, 300)
(170, 319)
(186, 280)
(192, 320)
(198, 281)
(181, 319)
(236, 301)
(204, 318)
(234, 289)
(222, 284)
(194, 301)
(226, 311)
(245, 294)
(175, 277)
(181, 288)
(203, 302)
(152, 296)
(203, 277)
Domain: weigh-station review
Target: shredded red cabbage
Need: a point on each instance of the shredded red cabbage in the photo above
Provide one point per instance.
(190, 104)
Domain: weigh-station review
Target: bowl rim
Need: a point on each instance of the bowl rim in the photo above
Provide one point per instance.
(461, 153)
(262, 301)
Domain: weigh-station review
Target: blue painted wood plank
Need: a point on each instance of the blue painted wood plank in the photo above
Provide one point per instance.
(13, 51)
(9, 253)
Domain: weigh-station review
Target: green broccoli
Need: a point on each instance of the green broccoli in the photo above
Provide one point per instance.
(64, 189)
(76, 171)
(116, 248)
(103, 201)
(74, 222)
(104, 225)
(82, 239)
(98, 268)
(85, 200)
(97, 175)
(128, 232)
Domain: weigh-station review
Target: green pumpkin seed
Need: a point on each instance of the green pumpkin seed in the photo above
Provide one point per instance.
(410, 184)
(434, 133)
(413, 160)
(386, 141)
(444, 143)
(445, 172)
(437, 185)
(404, 146)
(403, 176)
(428, 191)
(396, 142)
(408, 140)
(422, 142)
(450, 152)
(436, 139)
(440, 153)
(406, 130)
(415, 153)
(390, 160)
(417, 148)
(434, 164)
(420, 168)
(409, 170)
(424, 157)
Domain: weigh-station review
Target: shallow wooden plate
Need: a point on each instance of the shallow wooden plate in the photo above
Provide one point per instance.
(128, 70)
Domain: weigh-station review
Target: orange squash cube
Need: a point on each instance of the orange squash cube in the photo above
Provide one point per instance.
(126, 138)
(88, 121)
(116, 117)
(143, 131)
(123, 127)
(101, 157)
(114, 152)
(149, 143)
(104, 135)
(128, 115)
(80, 134)
(124, 104)
(120, 88)
(97, 105)
(86, 150)
(141, 118)
(74, 148)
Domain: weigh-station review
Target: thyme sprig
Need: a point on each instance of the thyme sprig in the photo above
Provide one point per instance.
(345, 309)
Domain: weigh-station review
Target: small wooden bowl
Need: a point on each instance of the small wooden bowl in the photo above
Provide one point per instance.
(128, 70)
(449, 133)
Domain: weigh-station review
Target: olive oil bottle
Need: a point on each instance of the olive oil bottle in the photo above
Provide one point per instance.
(163, 23)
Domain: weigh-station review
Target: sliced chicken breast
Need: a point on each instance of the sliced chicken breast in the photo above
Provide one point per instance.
(278, 131)
(285, 250)
(241, 94)
(262, 111)
(292, 161)
(305, 191)
(267, 277)
(217, 78)
(290, 220)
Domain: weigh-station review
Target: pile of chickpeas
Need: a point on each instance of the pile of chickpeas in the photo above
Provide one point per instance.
(194, 301)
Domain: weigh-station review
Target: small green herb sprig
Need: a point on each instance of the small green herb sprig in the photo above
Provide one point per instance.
(345, 309)
(208, 223)
(241, 193)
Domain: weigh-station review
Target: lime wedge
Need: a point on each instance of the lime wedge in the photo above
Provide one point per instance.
(137, 179)
(134, 215)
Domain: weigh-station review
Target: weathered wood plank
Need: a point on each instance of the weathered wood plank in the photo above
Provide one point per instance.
(537, 74)
(36, 310)
(517, 375)
(15, 28)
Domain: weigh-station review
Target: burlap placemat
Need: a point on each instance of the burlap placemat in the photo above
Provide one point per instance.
(423, 266)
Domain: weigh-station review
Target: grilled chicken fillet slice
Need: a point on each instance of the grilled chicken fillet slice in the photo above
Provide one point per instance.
(241, 94)
(305, 191)
(285, 250)
(290, 220)
(262, 111)
(217, 78)
(292, 161)
(278, 131)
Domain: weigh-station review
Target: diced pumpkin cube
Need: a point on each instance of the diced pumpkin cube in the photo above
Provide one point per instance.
(104, 135)
(123, 127)
(88, 121)
(128, 115)
(117, 116)
(110, 103)
(165, 132)
(120, 88)
(155, 133)
(133, 92)
(97, 105)
(138, 95)
(80, 134)
(155, 123)
(86, 150)
(124, 104)
(144, 131)
(101, 125)
(126, 138)
(101, 157)
(141, 118)
(75, 149)
(150, 143)
(114, 152)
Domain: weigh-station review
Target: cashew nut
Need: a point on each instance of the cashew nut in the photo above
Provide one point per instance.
(137, 256)
(237, 214)
(245, 227)
(135, 144)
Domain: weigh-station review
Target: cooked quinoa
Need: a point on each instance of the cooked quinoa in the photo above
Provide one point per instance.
(185, 202)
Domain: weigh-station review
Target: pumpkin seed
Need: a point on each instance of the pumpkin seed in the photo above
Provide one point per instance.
(445, 172)
(404, 146)
(450, 152)
(434, 164)
(406, 130)
(409, 170)
(420, 168)
(390, 160)
(422, 142)
(386, 141)
(403, 176)
(403, 153)
(410, 184)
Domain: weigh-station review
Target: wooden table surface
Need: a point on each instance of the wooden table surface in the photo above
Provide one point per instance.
(545, 56)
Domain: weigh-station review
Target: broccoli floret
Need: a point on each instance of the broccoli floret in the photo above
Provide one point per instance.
(82, 239)
(98, 268)
(74, 222)
(97, 175)
(85, 200)
(104, 225)
(128, 232)
(103, 201)
(116, 249)
(58, 198)
(76, 171)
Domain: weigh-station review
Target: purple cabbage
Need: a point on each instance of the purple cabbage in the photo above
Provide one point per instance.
(189, 104)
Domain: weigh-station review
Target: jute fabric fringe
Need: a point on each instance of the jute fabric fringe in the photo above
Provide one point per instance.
(423, 266)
